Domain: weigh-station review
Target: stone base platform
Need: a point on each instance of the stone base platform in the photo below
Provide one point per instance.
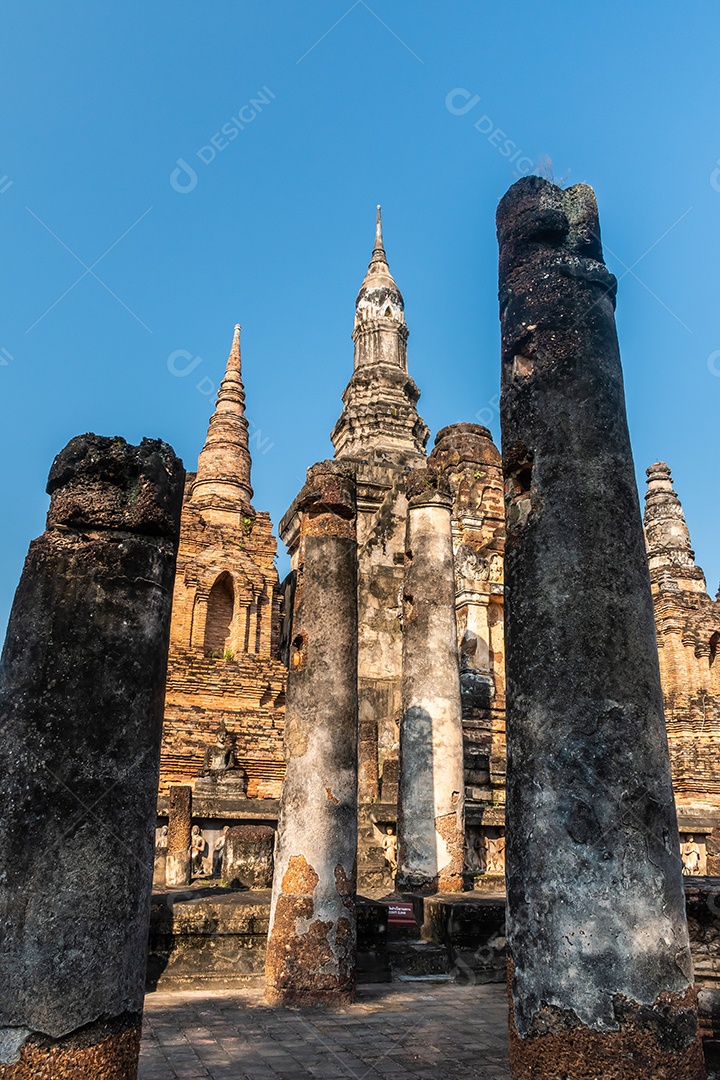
(207, 936)
(213, 938)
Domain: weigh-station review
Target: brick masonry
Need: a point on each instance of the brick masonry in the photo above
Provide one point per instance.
(226, 613)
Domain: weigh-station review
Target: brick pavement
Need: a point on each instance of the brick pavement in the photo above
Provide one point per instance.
(398, 1031)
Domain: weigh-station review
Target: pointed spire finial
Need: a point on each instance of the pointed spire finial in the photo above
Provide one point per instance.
(224, 463)
(379, 249)
(234, 359)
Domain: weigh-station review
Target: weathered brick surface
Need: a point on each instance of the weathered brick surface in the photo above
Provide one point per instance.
(226, 613)
(688, 632)
(240, 682)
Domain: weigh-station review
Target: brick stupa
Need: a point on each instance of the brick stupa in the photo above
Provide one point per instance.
(223, 642)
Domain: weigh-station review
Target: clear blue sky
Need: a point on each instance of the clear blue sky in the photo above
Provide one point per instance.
(101, 100)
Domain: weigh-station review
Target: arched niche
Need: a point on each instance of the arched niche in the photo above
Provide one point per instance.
(220, 607)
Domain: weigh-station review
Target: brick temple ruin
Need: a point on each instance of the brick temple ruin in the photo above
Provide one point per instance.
(459, 633)
(230, 630)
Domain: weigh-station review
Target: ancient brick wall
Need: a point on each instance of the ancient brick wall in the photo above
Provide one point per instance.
(223, 639)
(688, 630)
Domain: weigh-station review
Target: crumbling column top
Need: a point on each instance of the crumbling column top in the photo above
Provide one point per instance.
(538, 219)
(329, 489)
(99, 482)
(428, 487)
(466, 442)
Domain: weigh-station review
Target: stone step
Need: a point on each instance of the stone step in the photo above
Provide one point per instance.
(418, 959)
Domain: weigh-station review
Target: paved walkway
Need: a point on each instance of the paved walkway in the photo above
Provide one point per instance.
(394, 1032)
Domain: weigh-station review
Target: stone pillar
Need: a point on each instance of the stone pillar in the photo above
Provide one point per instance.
(602, 981)
(368, 778)
(82, 680)
(431, 790)
(178, 868)
(311, 944)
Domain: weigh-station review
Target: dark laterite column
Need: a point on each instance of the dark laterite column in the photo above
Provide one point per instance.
(178, 868)
(432, 787)
(602, 982)
(311, 944)
(82, 683)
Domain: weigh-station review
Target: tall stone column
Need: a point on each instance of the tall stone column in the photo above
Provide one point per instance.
(432, 788)
(82, 680)
(602, 982)
(178, 867)
(312, 939)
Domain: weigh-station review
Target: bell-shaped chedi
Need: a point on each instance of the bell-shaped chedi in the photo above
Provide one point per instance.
(379, 421)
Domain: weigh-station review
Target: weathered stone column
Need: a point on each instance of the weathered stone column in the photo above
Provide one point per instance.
(602, 981)
(178, 868)
(432, 788)
(82, 681)
(311, 944)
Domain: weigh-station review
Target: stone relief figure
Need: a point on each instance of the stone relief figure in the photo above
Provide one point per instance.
(220, 763)
(495, 568)
(389, 845)
(197, 850)
(495, 854)
(474, 851)
(161, 842)
(218, 851)
(469, 567)
(691, 857)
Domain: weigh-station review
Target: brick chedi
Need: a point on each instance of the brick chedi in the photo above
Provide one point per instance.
(225, 619)
(688, 633)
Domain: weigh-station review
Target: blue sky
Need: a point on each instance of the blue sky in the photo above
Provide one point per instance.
(396, 103)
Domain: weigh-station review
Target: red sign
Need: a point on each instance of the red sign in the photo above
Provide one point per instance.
(401, 914)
